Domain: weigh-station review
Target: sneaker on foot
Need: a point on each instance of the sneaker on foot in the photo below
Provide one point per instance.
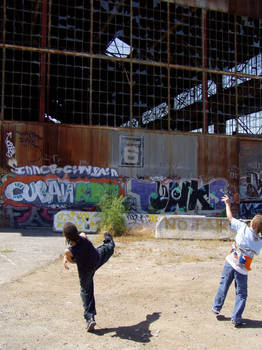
(108, 237)
(236, 324)
(90, 325)
(216, 312)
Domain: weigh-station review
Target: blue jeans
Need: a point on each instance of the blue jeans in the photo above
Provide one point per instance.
(105, 251)
(228, 275)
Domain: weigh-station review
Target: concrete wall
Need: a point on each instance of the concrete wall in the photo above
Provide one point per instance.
(165, 226)
(193, 227)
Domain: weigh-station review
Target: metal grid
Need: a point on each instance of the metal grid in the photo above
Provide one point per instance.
(150, 97)
(69, 25)
(186, 104)
(111, 93)
(23, 22)
(125, 63)
(68, 89)
(21, 93)
(185, 35)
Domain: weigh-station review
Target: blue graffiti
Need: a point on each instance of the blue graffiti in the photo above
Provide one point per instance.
(248, 210)
(183, 196)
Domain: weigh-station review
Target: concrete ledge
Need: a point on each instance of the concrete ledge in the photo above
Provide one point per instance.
(89, 221)
(193, 227)
(166, 226)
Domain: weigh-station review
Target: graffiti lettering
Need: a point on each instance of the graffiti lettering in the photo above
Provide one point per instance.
(9, 145)
(29, 216)
(194, 224)
(137, 218)
(55, 193)
(84, 221)
(184, 196)
(71, 170)
(30, 138)
(249, 210)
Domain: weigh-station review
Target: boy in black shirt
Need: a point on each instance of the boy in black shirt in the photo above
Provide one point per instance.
(88, 259)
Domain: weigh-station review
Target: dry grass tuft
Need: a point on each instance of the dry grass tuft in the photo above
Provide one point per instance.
(6, 251)
(138, 234)
(170, 256)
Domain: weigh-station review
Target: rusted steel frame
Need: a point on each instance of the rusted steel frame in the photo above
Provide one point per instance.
(48, 57)
(131, 67)
(3, 64)
(91, 64)
(236, 86)
(109, 20)
(204, 73)
(135, 61)
(168, 68)
(43, 62)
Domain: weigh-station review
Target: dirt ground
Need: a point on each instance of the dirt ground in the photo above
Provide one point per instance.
(152, 294)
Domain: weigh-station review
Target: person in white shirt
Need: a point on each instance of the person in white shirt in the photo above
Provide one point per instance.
(247, 243)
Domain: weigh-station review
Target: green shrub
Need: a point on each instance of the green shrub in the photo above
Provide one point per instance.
(112, 210)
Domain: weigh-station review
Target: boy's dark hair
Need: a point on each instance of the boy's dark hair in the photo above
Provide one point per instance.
(257, 223)
(70, 232)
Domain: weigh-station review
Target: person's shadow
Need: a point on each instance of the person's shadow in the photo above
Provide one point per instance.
(139, 332)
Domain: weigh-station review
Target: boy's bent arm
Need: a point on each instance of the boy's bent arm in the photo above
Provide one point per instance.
(68, 257)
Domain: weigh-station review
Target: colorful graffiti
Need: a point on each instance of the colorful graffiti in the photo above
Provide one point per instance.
(248, 210)
(171, 196)
(84, 221)
(251, 194)
(33, 194)
(54, 193)
(89, 222)
(29, 216)
(251, 186)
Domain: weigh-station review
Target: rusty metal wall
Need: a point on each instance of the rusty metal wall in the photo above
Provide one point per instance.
(45, 144)
(216, 155)
(46, 168)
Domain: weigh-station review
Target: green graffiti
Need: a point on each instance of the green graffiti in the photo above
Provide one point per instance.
(111, 189)
(92, 192)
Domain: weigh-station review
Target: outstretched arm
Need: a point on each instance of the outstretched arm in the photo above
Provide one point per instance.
(68, 257)
(226, 200)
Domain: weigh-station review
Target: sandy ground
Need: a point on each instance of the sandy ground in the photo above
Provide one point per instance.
(152, 294)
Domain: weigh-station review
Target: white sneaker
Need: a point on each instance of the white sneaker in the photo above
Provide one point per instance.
(216, 312)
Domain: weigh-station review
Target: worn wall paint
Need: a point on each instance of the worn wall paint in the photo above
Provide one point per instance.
(193, 227)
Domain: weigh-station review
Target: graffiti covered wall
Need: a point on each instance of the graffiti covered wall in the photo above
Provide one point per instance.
(44, 172)
(250, 186)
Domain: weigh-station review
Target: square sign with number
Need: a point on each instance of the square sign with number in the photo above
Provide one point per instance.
(131, 151)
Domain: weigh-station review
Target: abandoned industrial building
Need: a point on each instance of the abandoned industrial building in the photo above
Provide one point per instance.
(158, 100)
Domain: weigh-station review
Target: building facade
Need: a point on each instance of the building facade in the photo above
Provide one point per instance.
(157, 100)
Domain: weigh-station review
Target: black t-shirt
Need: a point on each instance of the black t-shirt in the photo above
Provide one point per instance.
(84, 254)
